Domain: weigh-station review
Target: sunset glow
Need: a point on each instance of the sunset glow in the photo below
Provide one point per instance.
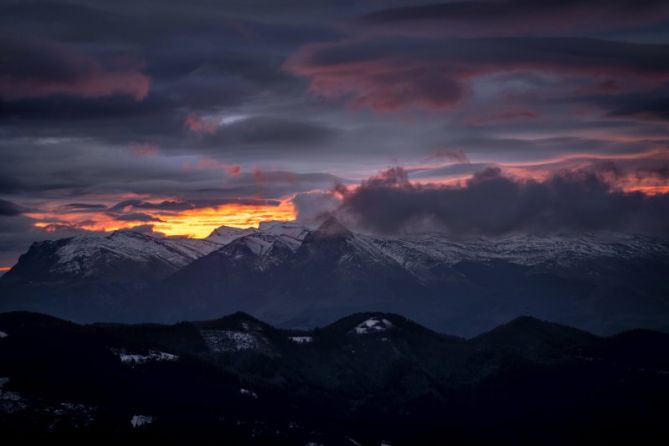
(199, 223)
(195, 223)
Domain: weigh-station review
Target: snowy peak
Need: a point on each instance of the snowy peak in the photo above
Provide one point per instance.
(259, 244)
(260, 241)
(331, 239)
(226, 234)
(76, 255)
(290, 229)
(373, 325)
(120, 253)
(270, 237)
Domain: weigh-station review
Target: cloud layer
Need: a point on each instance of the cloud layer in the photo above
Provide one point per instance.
(491, 203)
(388, 74)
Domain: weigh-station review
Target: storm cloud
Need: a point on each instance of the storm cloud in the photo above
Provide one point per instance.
(518, 17)
(491, 203)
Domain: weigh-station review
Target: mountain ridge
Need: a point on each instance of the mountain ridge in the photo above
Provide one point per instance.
(299, 277)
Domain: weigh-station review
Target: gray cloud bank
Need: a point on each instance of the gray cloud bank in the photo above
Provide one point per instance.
(491, 203)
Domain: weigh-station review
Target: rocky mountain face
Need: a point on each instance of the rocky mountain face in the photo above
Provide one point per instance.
(366, 379)
(299, 277)
(81, 277)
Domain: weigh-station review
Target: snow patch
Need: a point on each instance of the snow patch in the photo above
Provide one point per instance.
(373, 325)
(248, 392)
(301, 339)
(83, 255)
(10, 402)
(226, 234)
(258, 246)
(290, 232)
(417, 253)
(219, 341)
(140, 420)
(153, 356)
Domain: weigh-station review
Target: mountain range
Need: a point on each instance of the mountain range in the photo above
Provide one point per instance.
(299, 277)
(366, 379)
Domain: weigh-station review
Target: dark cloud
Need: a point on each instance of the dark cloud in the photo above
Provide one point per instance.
(85, 207)
(38, 69)
(9, 209)
(388, 74)
(17, 233)
(518, 17)
(179, 206)
(62, 109)
(449, 155)
(261, 129)
(147, 229)
(651, 108)
(491, 204)
(136, 216)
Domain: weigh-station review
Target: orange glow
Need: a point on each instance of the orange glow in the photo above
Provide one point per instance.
(195, 223)
(4, 269)
(199, 223)
(452, 181)
(648, 190)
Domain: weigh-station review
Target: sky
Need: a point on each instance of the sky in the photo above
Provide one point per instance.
(472, 117)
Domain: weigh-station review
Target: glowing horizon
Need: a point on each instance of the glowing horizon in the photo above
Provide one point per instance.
(194, 223)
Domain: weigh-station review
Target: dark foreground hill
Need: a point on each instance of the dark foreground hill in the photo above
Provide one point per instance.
(367, 379)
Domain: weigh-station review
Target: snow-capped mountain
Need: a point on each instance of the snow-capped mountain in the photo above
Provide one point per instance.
(462, 286)
(225, 234)
(292, 233)
(88, 256)
(81, 277)
(522, 249)
(296, 276)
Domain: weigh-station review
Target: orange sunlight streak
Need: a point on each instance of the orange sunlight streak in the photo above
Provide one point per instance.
(195, 223)
(199, 223)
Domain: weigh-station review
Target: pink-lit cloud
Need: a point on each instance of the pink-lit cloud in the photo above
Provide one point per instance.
(144, 149)
(202, 125)
(41, 69)
(388, 75)
(212, 164)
